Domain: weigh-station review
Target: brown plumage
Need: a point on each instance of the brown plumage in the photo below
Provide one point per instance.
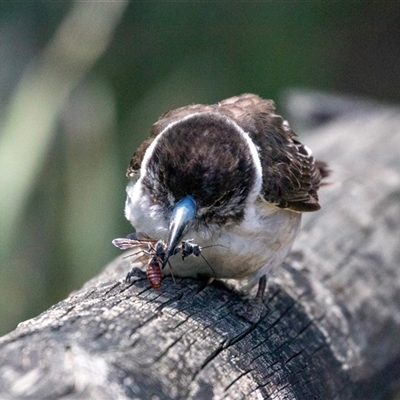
(290, 175)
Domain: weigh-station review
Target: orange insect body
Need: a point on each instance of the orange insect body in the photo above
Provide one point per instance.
(154, 273)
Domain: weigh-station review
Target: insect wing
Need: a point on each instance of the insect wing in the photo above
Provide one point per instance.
(140, 237)
(124, 243)
(143, 258)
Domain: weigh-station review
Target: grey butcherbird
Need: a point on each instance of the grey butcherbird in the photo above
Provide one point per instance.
(231, 176)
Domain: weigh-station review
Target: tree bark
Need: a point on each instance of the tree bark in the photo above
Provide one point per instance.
(330, 328)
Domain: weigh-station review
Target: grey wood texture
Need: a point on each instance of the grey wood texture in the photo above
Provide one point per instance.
(330, 328)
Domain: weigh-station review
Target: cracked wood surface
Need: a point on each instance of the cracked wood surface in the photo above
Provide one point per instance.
(330, 328)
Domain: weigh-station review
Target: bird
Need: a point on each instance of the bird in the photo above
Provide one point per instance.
(232, 177)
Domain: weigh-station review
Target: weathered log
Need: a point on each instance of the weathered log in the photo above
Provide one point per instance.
(331, 326)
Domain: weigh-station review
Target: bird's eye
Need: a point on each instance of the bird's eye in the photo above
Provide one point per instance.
(134, 175)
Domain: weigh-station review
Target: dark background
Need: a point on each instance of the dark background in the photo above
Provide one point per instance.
(69, 127)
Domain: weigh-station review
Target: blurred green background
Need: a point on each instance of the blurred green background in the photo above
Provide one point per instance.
(81, 83)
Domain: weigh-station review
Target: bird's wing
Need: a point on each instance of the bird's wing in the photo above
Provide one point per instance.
(291, 176)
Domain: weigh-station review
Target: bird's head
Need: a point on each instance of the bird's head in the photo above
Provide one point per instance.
(199, 171)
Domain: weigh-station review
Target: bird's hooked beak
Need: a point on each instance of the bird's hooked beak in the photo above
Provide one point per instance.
(183, 213)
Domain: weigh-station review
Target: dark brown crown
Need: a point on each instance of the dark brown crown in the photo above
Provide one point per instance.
(204, 156)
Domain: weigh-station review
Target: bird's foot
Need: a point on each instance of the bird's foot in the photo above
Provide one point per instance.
(253, 309)
(135, 272)
(250, 309)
